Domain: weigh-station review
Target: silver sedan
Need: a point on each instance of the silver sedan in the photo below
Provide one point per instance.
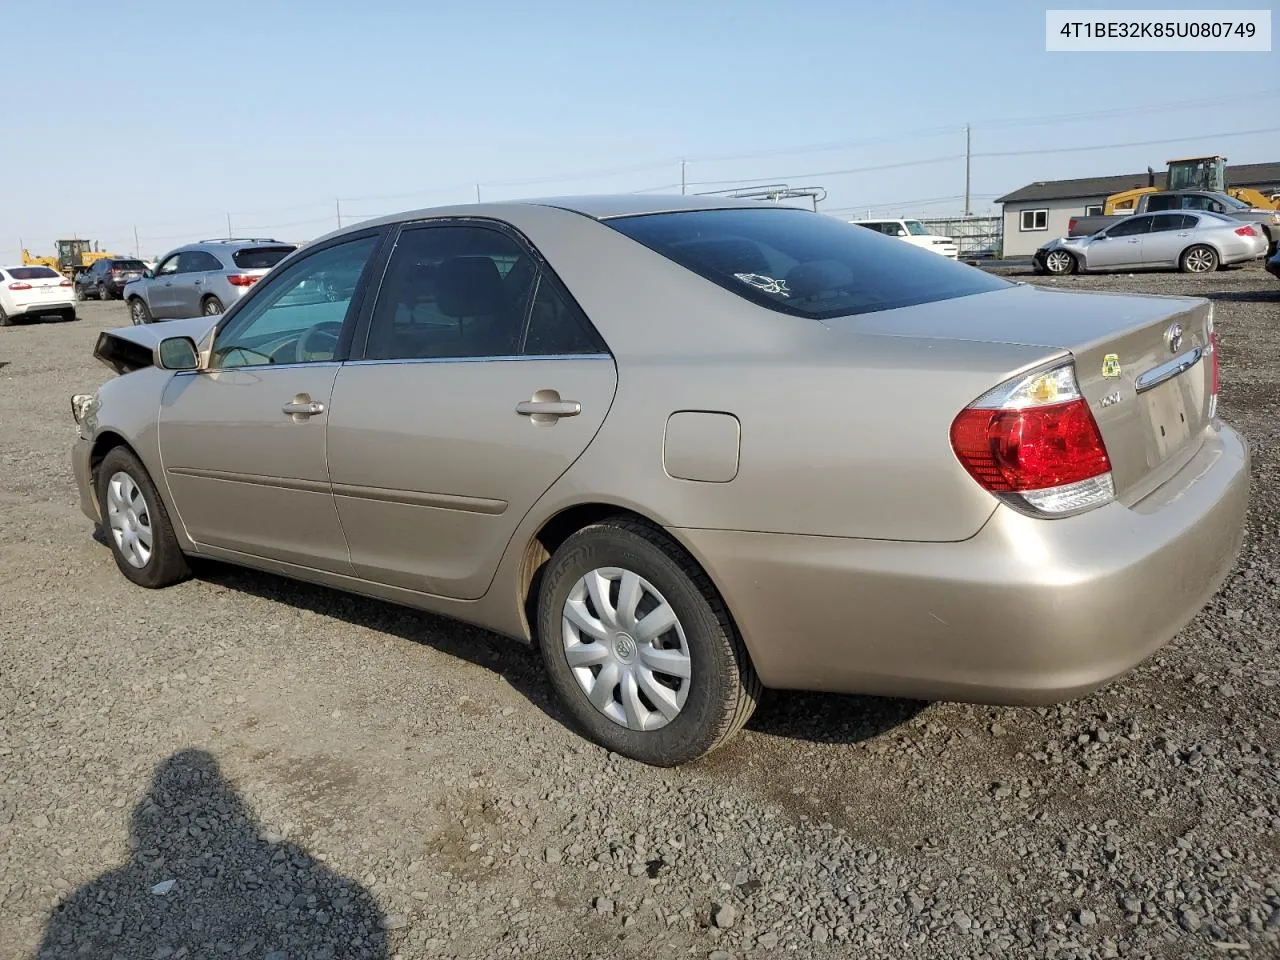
(1193, 241)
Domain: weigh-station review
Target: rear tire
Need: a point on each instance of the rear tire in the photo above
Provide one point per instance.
(1199, 259)
(211, 306)
(697, 713)
(69, 316)
(132, 514)
(5, 319)
(138, 312)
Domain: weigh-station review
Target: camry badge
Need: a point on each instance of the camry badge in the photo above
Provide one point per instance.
(1111, 365)
(1173, 337)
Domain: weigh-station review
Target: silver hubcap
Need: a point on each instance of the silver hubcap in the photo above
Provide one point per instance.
(211, 308)
(1198, 261)
(1058, 262)
(129, 519)
(137, 312)
(626, 648)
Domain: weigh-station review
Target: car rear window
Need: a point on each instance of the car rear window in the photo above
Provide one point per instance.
(260, 258)
(128, 265)
(32, 273)
(803, 263)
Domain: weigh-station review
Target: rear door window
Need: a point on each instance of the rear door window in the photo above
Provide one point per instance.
(260, 258)
(804, 264)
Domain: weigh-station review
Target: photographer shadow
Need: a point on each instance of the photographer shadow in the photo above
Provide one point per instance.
(204, 881)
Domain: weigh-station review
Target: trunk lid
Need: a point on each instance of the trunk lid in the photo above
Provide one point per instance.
(1143, 363)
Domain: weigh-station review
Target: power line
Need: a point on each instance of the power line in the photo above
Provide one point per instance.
(1132, 143)
(830, 173)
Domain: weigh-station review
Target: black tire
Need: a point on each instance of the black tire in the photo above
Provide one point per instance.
(5, 319)
(724, 688)
(138, 312)
(1060, 263)
(166, 565)
(69, 316)
(1200, 258)
(211, 306)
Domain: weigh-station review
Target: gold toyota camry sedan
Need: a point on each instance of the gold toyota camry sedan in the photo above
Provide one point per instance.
(690, 448)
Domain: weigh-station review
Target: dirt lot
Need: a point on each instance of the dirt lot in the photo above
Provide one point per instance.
(322, 775)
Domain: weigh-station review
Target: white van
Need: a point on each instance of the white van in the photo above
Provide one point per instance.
(914, 233)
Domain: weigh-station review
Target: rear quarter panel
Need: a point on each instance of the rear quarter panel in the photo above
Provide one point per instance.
(841, 434)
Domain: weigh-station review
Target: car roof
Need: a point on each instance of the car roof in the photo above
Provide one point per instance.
(602, 206)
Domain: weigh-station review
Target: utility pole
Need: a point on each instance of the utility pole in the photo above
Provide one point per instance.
(967, 156)
(477, 193)
(337, 205)
(137, 247)
(682, 182)
(228, 226)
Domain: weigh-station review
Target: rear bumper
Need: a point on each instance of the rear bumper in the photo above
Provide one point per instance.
(81, 469)
(41, 306)
(1027, 611)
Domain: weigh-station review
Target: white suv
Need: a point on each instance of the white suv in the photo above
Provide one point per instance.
(914, 233)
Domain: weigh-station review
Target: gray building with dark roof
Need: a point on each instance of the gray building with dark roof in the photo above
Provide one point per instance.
(1040, 211)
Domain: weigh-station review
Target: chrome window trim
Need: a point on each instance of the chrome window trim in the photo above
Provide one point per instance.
(502, 359)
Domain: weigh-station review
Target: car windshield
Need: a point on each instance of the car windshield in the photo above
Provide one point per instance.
(916, 228)
(803, 263)
(32, 273)
(260, 258)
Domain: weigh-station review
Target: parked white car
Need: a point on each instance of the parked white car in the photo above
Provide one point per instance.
(914, 232)
(27, 292)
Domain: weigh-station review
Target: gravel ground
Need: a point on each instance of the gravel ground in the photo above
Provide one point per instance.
(241, 766)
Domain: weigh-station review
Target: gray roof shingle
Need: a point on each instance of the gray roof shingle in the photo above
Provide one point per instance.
(1238, 175)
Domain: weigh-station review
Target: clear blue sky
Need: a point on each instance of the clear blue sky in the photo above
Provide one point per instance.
(169, 115)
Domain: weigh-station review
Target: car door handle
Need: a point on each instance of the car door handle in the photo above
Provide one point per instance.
(1136, 240)
(197, 281)
(301, 407)
(547, 407)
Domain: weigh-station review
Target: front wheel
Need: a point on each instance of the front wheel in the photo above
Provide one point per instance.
(1060, 262)
(639, 646)
(138, 528)
(138, 312)
(1199, 259)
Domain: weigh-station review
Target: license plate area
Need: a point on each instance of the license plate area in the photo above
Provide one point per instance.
(1172, 417)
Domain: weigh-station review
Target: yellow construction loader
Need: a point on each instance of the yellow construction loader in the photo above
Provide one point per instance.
(1191, 173)
(73, 257)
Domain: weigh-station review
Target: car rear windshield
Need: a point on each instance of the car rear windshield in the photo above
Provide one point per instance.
(128, 265)
(803, 263)
(32, 273)
(260, 258)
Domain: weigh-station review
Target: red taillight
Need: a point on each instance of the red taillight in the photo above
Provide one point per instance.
(1033, 442)
(65, 283)
(1009, 451)
(19, 285)
(242, 280)
(1246, 231)
(1217, 373)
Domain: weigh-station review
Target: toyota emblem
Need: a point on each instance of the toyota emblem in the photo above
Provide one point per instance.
(1173, 337)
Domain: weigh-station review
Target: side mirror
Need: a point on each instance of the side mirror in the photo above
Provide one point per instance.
(177, 353)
